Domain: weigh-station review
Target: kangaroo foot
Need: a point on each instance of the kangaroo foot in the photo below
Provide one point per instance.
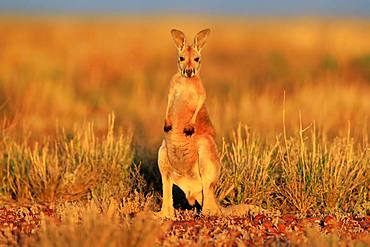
(165, 215)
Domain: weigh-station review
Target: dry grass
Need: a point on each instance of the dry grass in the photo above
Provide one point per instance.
(68, 167)
(327, 176)
(299, 174)
(247, 171)
(302, 87)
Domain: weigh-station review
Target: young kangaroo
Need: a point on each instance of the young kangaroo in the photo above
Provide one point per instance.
(188, 154)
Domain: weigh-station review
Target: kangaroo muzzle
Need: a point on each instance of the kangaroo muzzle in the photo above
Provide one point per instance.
(188, 72)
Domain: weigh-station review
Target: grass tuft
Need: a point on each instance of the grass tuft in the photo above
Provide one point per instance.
(68, 168)
(299, 174)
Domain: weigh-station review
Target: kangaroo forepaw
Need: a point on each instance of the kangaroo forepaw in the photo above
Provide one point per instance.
(188, 131)
(167, 127)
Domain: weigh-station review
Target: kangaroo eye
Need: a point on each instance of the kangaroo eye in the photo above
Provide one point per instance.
(197, 59)
(181, 59)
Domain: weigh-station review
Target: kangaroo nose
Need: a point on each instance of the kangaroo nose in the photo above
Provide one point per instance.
(189, 72)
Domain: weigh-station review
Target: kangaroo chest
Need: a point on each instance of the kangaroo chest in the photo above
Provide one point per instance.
(184, 102)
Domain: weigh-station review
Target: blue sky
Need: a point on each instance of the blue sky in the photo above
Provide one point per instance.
(262, 7)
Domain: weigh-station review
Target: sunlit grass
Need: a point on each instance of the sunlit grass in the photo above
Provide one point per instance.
(69, 167)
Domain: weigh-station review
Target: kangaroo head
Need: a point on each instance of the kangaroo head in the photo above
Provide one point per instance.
(189, 58)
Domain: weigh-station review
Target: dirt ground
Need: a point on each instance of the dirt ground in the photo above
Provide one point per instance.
(19, 223)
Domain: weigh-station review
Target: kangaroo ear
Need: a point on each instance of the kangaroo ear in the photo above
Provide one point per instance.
(201, 38)
(179, 38)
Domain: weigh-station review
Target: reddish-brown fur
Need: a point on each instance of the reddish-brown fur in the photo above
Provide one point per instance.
(188, 155)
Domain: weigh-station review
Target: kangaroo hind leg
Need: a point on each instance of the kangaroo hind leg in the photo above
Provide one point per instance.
(167, 210)
(209, 169)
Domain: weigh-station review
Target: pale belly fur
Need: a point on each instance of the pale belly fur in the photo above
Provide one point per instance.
(182, 154)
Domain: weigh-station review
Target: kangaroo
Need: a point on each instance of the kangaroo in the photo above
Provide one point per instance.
(188, 155)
